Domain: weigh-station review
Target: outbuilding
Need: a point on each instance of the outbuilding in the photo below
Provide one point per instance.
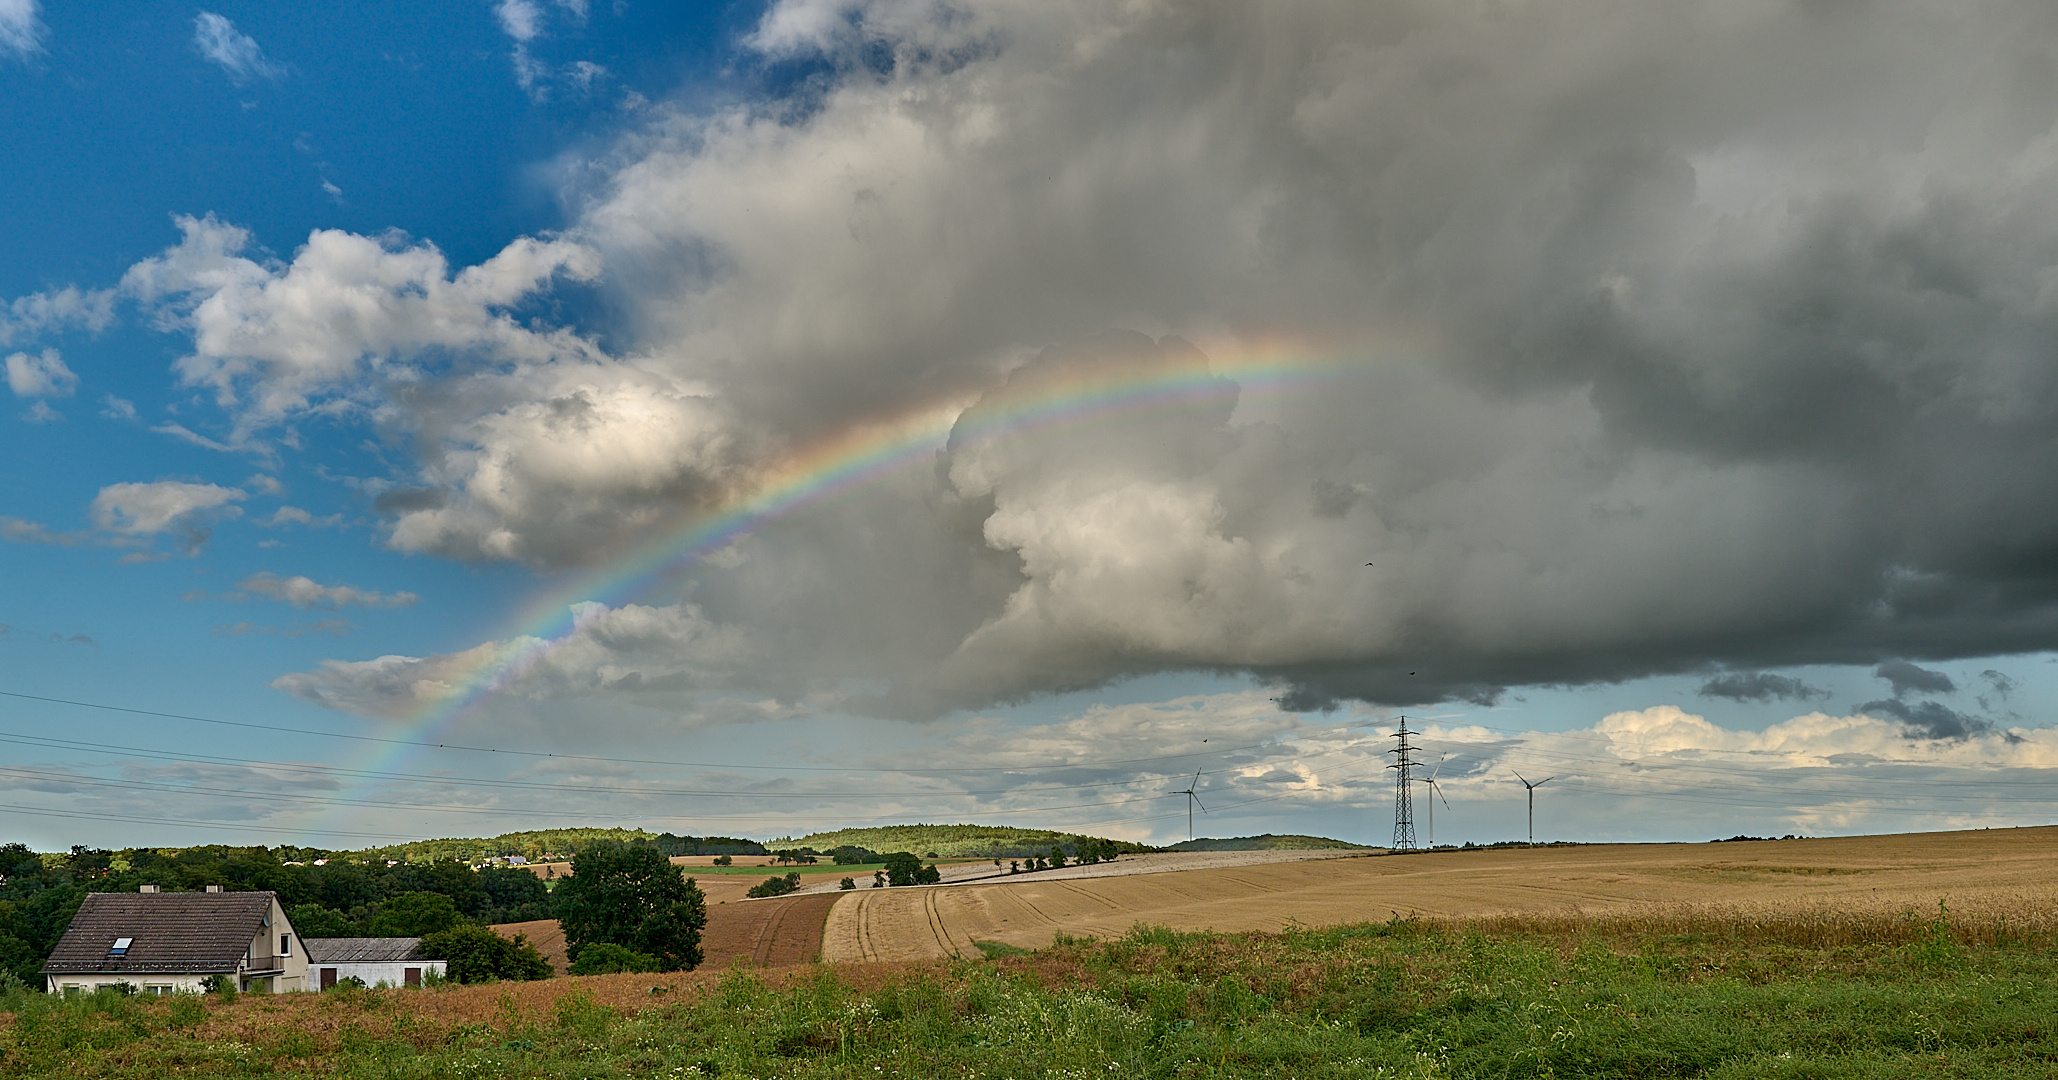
(392, 961)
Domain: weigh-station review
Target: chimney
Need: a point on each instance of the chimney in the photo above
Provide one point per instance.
(214, 888)
(147, 889)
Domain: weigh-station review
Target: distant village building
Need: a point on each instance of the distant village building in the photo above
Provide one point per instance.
(393, 961)
(165, 943)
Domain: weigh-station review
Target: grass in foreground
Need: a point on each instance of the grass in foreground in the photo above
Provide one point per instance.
(1695, 997)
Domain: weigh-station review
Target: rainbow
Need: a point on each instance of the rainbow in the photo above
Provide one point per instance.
(1066, 394)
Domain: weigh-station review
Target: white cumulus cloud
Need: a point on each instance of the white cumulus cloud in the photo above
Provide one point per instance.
(143, 510)
(41, 375)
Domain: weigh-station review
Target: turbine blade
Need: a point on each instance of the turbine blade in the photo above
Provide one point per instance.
(1545, 780)
(1202, 805)
(1438, 788)
(1518, 776)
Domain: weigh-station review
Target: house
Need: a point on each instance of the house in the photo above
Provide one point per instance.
(394, 961)
(164, 943)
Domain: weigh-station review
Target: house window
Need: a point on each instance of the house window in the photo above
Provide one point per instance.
(158, 989)
(285, 944)
(120, 946)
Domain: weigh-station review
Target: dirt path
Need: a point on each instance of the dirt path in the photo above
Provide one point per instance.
(1995, 870)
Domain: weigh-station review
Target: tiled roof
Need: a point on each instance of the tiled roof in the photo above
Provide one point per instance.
(361, 950)
(172, 932)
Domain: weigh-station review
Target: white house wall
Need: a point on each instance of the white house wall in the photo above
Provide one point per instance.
(374, 972)
(144, 982)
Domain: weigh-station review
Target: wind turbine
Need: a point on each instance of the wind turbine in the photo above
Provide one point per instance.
(1532, 800)
(1192, 800)
(1434, 789)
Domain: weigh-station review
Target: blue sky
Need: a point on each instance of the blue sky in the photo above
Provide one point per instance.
(1679, 430)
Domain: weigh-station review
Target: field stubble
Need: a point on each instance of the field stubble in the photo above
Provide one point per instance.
(1849, 888)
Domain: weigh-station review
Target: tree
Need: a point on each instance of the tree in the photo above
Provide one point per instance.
(634, 897)
(314, 920)
(723, 860)
(474, 954)
(1057, 858)
(902, 868)
(415, 914)
(512, 895)
(846, 884)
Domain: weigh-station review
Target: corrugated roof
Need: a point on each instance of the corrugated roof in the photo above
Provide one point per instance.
(173, 932)
(361, 950)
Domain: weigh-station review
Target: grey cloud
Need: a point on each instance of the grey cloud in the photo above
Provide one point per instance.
(1906, 677)
(304, 592)
(1622, 340)
(2000, 687)
(1929, 719)
(1760, 686)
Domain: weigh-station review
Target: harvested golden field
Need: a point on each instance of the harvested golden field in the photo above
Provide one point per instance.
(2011, 873)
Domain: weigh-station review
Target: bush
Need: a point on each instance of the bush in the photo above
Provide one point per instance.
(846, 884)
(775, 886)
(852, 855)
(475, 954)
(607, 958)
(723, 860)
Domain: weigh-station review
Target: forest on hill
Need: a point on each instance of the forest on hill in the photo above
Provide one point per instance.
(1267, 842)
(955, 841)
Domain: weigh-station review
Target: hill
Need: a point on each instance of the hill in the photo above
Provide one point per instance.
(1267, 842)
(951, 841)
(541, 844)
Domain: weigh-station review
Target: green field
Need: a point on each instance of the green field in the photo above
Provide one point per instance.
(1899, 998)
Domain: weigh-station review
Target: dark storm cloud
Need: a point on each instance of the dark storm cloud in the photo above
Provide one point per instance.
(1906, 677)
(1760, 686)
(1929, 719)
(1678, 337)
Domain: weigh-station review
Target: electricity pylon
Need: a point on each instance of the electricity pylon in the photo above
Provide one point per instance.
(1532, 800)
(1403, 789)
(1192, 800)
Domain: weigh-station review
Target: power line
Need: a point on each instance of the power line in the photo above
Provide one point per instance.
(596, 757)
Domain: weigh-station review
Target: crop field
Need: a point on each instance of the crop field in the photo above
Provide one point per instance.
(1981, 875)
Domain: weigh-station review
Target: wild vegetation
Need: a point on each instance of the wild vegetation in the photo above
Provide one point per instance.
(1690, 994)
(954, 841)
